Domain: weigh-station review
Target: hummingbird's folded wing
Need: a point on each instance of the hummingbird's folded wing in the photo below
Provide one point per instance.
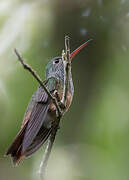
(39, 114)
(35, 122)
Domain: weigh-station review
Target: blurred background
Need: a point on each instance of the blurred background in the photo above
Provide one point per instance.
(93, 142)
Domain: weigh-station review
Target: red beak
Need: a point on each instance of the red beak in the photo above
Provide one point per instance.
(78, 49)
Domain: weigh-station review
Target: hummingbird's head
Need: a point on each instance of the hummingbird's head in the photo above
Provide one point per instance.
(55, 68)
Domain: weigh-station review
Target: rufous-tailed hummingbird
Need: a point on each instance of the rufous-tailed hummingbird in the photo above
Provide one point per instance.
(41, 112)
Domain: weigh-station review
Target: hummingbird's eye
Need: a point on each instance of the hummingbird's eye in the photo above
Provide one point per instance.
(56, 61)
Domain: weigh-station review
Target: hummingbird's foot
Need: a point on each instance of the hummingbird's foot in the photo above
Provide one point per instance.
(57, 96)
(62, 106)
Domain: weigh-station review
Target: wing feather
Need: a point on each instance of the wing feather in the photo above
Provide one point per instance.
(35, 123)
(39, 106)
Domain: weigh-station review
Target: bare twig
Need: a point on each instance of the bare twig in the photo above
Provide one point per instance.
(36, 76)
(48, 149)
(44, 161)
(67, 66)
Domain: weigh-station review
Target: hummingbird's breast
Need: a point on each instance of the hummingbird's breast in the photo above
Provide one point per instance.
(59, 88)
(68, 102)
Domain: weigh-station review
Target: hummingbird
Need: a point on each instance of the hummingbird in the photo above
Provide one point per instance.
(41, 111)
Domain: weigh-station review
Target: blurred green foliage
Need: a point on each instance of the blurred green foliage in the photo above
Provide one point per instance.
(92, 143)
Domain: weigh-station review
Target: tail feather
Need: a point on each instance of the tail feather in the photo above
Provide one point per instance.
(17, 157)
(15, 148)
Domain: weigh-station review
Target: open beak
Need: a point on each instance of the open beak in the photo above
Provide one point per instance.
(78, 49)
